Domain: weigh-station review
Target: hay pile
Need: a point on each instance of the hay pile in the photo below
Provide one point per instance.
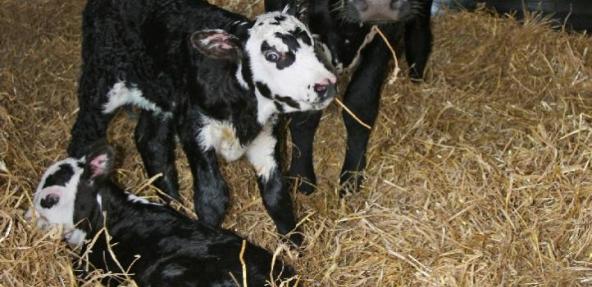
(478, 177)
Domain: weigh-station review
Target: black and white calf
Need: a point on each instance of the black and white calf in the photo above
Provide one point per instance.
(216, 79)
(344, 26)
(157, 245)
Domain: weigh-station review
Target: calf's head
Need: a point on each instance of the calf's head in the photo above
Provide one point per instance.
(68, 194)
(381, 11)
(276, 58)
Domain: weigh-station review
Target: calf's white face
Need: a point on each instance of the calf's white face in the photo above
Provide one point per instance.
(276, 57)
(54, 199)
(284, 65)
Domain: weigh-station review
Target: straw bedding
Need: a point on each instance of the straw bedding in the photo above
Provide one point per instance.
(478, 177)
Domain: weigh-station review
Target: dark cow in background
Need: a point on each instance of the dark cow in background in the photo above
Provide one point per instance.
(344, 26)
(214, 78)
(157, 245)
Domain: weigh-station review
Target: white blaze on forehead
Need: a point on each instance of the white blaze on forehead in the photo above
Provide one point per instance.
(266, 25)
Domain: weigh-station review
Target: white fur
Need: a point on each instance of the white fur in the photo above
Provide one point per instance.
(75, 237)
(121, 95)
(265, 108)
(260, 152)
(240, 78)
(296, 81)
(221, 136)
(136, 199)
(62, 213)
(100, 201)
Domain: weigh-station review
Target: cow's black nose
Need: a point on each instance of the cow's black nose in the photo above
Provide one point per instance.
(49, 201)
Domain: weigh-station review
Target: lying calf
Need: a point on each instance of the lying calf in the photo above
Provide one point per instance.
(216, 79)
(160, 246)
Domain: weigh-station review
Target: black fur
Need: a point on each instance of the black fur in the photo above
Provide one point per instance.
(60, 177)
(148, 45)
(344, 35)
(160, 246)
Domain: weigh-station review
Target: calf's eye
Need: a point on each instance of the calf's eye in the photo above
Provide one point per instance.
(271, 56)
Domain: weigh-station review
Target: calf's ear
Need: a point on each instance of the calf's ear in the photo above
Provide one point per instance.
(216, 44)
(99, 162)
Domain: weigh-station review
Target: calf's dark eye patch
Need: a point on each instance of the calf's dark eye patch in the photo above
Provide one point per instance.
(286, 59)
(60, 177)
(49, 201)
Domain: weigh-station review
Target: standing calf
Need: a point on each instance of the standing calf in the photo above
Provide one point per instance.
(344, 26)
(160, 246)
(214, 78)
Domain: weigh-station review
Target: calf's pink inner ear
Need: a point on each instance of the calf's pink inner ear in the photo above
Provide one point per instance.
(98, 165)
(215, 43)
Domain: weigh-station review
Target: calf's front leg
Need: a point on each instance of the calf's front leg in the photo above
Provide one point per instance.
(363, 98)
(303, 127)
(265, 155)
(210, 196)
(155, 142)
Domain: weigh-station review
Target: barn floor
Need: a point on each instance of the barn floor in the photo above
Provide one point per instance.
(478, 177)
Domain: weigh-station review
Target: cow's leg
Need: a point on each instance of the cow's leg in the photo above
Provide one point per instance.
(92, 120)
(362, 98)
(303, 127)
(155, 142)
(210, 190)
(418, 42)
(90, 126)
(264, 154)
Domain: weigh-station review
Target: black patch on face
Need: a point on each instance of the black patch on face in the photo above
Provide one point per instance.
(302, 35)
(263, 89)
(279, 106)
(50, 200)
(288, 101)
(278, 20)
(265, 46)
(286, 59)
(289, 40)
(60, 177)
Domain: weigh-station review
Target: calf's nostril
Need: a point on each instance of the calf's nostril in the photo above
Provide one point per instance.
(320, 88)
